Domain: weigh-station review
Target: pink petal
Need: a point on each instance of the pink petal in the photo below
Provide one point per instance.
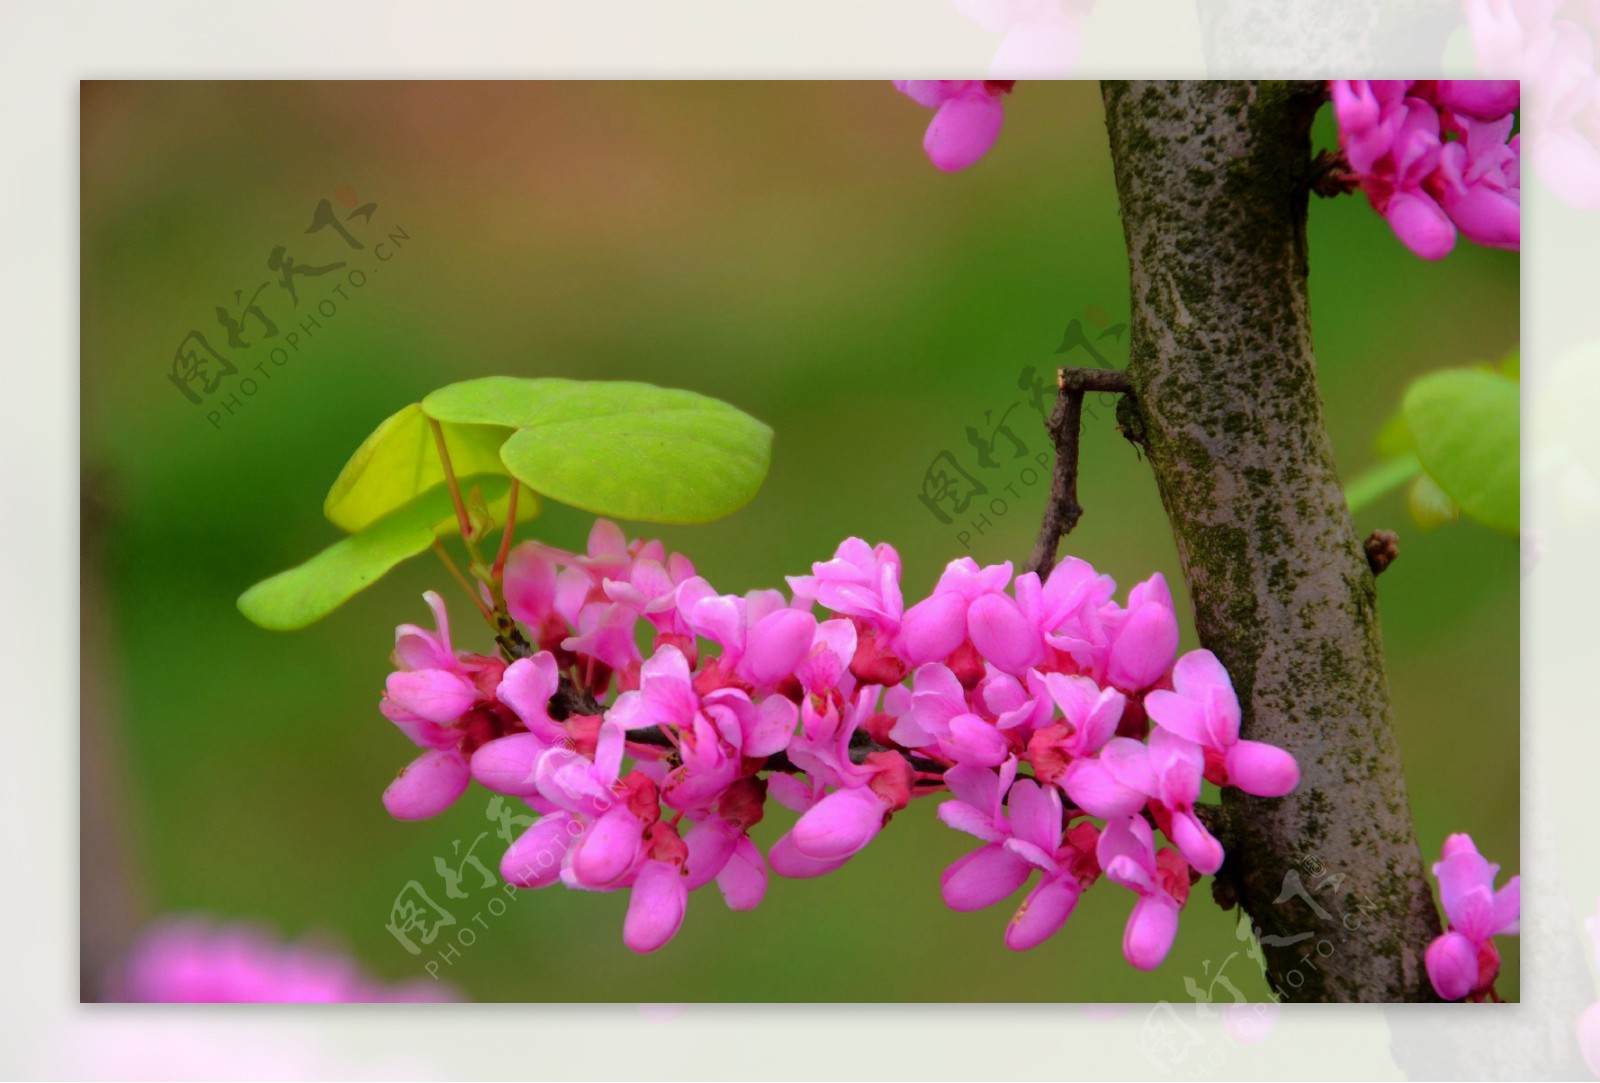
(743, 880)
(506, 764)
(1195, 843)
(775, 647)
(609, 849)
(932, 629)
(982, 878)
(1042, 913)
(1508, 909)
(1035, 814)
(1152, 927)
(710, 845)
(530, 585)
(787, 860)
(1126, 851)
(1483, 99)
(534, 860)
(526, 687)
(427, 785)
(1452, 962)
(1262, 769)
(972, 740)
(963, 130)
(839, 825)
(1421, 225)
(771, 726)
(1096, 791)
(655, 908)
(1003, 635)
(434, 695)
(1147, 645)
(1179, 714)
(930, 93)
(1487, 217)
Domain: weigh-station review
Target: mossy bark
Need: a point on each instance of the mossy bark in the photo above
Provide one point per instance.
(1212, 177)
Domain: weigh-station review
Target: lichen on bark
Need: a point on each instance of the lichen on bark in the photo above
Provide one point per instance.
(1212, 181)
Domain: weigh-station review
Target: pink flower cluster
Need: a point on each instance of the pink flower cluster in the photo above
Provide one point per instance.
(1062, 724)
(195, 961)
(967, 121)
(1436, 157)
(1464, 961)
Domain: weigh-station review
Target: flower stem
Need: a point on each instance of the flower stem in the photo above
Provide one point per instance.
(466, 584)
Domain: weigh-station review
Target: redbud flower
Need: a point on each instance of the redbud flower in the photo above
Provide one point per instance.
(1127, 854)
(1464, 961)
(1202, 708)
(654, 791)
(968, 118)
(1433, 157)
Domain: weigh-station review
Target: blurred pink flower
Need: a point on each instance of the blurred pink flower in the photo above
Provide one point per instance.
(194, 960)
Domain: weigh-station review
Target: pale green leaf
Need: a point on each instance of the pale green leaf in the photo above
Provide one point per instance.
(400, 461)
(310, 591)
(1466, 428)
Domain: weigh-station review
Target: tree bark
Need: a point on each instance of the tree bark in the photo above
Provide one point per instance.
(1212, 181)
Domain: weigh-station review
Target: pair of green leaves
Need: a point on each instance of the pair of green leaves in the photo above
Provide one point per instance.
(622, 449)
(1456, 439)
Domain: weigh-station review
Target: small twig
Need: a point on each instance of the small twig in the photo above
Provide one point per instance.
(1330, 175)
(505, 541)
(1062, 511)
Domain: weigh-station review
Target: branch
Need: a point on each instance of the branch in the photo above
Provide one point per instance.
(1062, 511)
(1212, 182)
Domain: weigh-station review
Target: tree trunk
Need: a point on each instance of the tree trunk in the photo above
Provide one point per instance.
(1212, 180)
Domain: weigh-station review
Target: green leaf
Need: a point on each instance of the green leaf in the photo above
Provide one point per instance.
(1466, 427)
(400, 461)
(1381, 480)
(629, 450)
(310, 591)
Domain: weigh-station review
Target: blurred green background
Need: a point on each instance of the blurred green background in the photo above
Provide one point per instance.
(785, 247)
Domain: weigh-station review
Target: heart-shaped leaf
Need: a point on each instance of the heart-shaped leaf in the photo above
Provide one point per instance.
(1466, 427)
(629, 450)
(310, 591)
(400, 461)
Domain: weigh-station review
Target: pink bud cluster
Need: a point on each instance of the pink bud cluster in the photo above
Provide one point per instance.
(1062, 725)
(967, 121)
(1464, 961)
(193, 960)
(1435, 157)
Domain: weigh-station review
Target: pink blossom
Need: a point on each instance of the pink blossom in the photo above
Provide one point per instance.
(1433, 158)
(940, 717)
(1202, 708)
(861, 582)
(843, 717)
(967, 120)
(1464, 961)
(1127, 854)
(197, 961)
(1018, 841)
